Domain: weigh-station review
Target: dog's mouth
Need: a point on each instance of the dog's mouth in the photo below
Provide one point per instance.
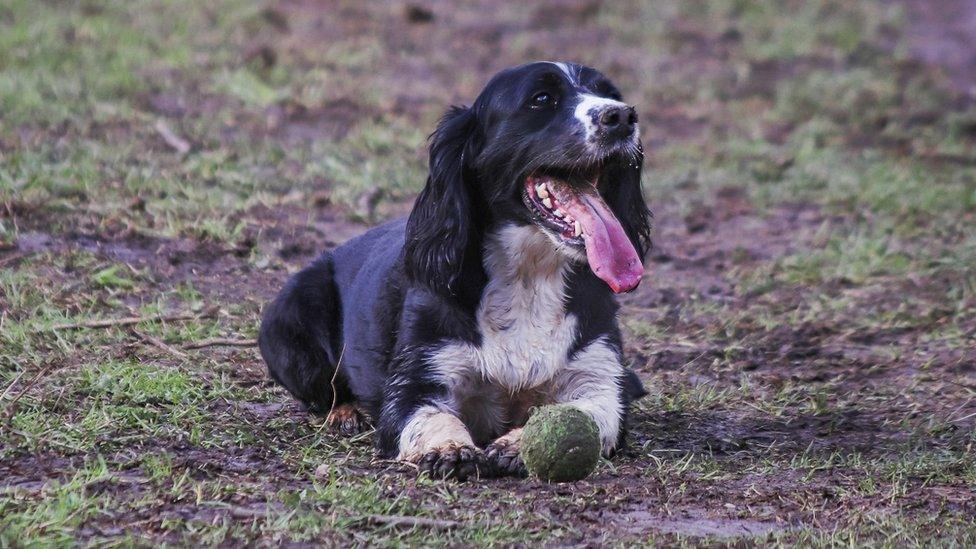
(577, 215)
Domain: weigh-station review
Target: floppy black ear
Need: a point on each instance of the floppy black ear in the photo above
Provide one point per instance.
(441, 226)
(625, 197)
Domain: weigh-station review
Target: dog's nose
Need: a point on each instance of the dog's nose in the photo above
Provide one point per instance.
(618, 120)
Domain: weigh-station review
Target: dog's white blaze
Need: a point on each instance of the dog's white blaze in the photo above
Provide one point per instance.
(429, 428)
(568, 71)
(588, 108)
(591, 382)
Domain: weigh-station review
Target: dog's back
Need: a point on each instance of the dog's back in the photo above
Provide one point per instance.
(306, 334)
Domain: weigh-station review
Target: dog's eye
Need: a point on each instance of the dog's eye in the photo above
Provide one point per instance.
(542, 99)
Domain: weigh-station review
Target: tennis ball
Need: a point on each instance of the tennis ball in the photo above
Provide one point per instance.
(560, 443)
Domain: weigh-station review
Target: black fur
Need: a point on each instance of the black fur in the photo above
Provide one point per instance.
(437, 236)
(375, 307)
(300, 336)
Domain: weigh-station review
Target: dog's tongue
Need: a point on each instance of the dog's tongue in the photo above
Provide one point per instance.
(610, 253)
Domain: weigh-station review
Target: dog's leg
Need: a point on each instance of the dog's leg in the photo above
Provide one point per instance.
(592, 382)
(503, 454)
(419, 424)
(300, 338)
(438, 442)
(347, 420)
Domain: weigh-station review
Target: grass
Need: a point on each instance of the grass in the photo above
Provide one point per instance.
(806, 333)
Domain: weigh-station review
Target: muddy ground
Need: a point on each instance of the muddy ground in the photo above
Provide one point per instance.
(806, 326)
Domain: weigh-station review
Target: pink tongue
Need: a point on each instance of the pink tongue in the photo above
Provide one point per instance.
(611, 255)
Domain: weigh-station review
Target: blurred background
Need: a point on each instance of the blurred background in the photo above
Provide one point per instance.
(806, 326)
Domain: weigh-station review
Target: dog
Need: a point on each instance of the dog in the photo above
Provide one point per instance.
(495, 295)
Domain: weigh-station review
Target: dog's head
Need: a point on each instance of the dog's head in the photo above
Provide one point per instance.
(549, 144)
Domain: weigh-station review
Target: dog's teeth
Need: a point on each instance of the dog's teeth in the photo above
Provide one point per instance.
(541, 190)
(577, 228)
(547, 203)
(558, 213)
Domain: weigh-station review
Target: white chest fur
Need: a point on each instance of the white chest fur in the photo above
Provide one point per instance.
(526, 333)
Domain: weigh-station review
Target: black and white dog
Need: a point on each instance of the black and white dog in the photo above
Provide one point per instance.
(495, 295)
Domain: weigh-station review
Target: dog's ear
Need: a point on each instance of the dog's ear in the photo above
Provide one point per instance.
(625, 197)
(441, 225)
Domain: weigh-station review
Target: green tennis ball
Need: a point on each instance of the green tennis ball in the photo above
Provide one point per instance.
(560, 443)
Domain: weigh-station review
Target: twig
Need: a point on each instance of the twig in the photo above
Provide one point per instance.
(964, 418)
(238, 511)
(245, 513)
(221, 342)
(156, 342)
(179, 144)
(14, 258)
(392, 521)
(8, 412)
(130, 320)
(11, 386)
(46, 440)
(335, 374)
(959, 409)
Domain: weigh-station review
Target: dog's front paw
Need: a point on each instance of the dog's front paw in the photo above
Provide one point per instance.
(452, 461)
(503, 456)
